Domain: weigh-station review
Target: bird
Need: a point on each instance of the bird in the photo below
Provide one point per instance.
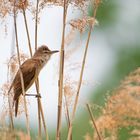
(30, 70)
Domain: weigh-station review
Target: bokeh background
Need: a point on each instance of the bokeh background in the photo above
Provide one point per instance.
(119, 29)
(113, 53)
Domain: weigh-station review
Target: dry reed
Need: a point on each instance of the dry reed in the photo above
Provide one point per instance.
(21, 75)
(61, 72)
(93, 121)
(96, 2)
(122, 110)
(40, 109)
(30, 50)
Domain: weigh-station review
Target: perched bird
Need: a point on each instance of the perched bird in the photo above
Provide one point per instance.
(30, 70)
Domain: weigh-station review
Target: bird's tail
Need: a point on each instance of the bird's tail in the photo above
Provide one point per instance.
(16, 107)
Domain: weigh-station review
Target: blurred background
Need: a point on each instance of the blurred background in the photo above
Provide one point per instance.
(118, 32)
(113, 53)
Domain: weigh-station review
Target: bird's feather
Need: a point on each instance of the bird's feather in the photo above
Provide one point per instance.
(29, 72)
(16, 107)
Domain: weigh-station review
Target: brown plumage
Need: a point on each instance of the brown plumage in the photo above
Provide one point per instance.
(30, 70)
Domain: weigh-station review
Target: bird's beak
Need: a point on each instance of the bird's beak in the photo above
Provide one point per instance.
(52, 52)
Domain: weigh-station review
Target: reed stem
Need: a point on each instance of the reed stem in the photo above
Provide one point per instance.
(27, 31)
(61, 73)
(21, 75)
(79, 86)
(10, 113)
(93, 121)
(40, 114)
(36, 25)
(82, 71)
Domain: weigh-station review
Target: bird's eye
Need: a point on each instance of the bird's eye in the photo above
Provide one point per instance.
(45, 50)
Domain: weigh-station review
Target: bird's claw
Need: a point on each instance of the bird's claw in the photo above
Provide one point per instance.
(38, 96)
(35, 95)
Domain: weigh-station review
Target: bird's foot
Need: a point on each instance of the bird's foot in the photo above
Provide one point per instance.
(35, 95)
(38, 95)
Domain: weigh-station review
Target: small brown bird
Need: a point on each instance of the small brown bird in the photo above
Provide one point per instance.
(30, 70)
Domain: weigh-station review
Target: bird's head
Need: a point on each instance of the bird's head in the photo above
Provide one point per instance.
(44, 51)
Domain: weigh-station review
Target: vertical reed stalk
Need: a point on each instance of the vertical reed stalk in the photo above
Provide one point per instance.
(61, 73)
(82, 71)
(67, 114)
(37, 81)
(43, 120)
(36, 24)
(79, 86)
(67, 110)
(40, 109)
(11, 122)
(38, 105)
(27, 31)
(10, 113)
(9, 72)
(21, 75)
(93, 121)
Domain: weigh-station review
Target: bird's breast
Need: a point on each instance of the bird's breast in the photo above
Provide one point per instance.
(43, 61)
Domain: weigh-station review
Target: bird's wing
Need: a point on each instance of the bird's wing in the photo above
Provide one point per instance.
(16, 107)
(29, 72)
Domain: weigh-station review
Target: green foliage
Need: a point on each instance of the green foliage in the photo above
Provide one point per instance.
(107, 13)
(124, 133)
(127, 60)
